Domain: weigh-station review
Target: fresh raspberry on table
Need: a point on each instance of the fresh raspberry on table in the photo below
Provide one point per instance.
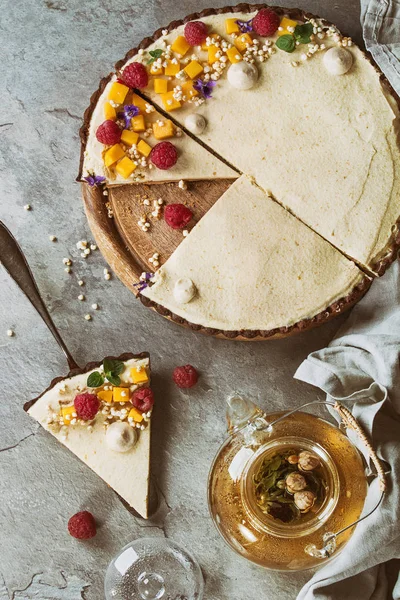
(135, 75)
(86, 406)
(185, 377)
(164, 155)
(82, 526)
(195, 32)
(266, 22)
(143, 399)
(108, 133)
(177, 216)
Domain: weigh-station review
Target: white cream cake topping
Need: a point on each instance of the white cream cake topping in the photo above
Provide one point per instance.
(127, 473)
(338, 60)
(254, 266)
(324, 146)
(242, 75)
(184, 290)
(195, 123)
(121, 437)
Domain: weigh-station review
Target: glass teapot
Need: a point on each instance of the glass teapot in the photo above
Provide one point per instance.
(287, 489)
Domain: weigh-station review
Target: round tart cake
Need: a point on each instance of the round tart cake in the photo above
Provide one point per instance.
(240, 171)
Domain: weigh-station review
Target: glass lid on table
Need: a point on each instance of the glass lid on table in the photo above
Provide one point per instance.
(287, 489)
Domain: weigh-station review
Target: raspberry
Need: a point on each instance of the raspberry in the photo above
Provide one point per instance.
(185, 377)
(108, 133)
(164, 155)
(195, 33)
(266, 22)
(86, 406)
(143, 399)
(177, 216)
(135, 75)
(82, 526)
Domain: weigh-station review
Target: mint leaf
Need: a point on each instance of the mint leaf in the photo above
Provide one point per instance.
(113, 379)
(115, 367)
(95, 379)
(154, 55)
(303, 33)
(286, 43)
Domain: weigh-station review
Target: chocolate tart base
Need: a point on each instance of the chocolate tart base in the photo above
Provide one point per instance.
(128, 267)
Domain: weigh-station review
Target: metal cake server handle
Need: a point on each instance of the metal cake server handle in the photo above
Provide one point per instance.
(13, 260)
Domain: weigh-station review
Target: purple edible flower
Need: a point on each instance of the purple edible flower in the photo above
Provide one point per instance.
(94, 179)
(245, 26)
(130, 111)
(144, 281)
(204, 87)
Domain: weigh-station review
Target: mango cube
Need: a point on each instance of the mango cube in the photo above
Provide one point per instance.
(188, 90)
(169, 101)
(214, 54)
(242, 41)
(231, 26)
(125, 168)
(105, 395)
(234, 55)
(121, 394)
(129, 137)
(180, 45)
(117, 92)
(143, 148)
(156, 69)
(193, 69)
(163, 129)
(113, 154)
(172, 68)
(110, 114)
(139, 375)
(139, 102)
(68, 413)
(160, 86)
(136, 415)
(138, 123)
(285, 23)
(213, 36)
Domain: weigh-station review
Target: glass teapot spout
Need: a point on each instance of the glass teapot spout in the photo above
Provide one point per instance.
(240, 412)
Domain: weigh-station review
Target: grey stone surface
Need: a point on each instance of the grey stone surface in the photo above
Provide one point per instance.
(53, 54)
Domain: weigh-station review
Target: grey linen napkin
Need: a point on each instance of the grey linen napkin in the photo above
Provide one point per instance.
(360, 367)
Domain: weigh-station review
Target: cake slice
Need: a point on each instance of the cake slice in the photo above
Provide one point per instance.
(103, 416)
(130, 128)
(321, 140)
(248, 264)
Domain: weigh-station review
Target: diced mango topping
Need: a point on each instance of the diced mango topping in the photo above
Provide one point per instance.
(285, 23)
(188, 90)
(143, 148)
(156, 69)
(139, 375)
(160, 86)
(139, 102)
(231, 26)
(120, 394)
(180, 45)
(129, 137)
(113, 154)
(136, 415)
(68, 413)
(169, 101)
(125, 167)
(110, 114)
(242, 41)
(213, 36)
(172, 68)
(163, 129)
(138, 123)
(105, 395)
(234, 55)
(117, 92)
(193, 69)
(212, 54)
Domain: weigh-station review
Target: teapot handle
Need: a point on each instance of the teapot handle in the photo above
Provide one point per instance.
(350, 422)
